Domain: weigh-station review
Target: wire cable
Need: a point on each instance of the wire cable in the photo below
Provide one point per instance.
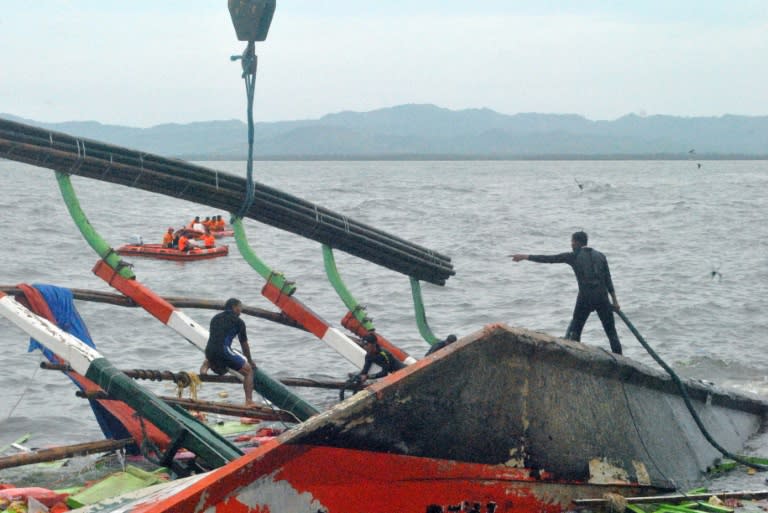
(249, 62)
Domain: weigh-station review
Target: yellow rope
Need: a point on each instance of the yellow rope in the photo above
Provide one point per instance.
(194, 384)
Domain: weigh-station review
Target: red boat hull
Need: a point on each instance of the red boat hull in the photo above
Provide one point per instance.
(309, 479)
(159, 252)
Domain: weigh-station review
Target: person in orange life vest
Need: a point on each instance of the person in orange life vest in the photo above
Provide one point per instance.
(176, 237)
(214, 226)
(168, 238)
(220, 223)
(184, 244)
(207, 222)
(208, 240)
(198, 226)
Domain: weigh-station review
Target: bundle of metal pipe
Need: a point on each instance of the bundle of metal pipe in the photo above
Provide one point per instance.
(182, 180)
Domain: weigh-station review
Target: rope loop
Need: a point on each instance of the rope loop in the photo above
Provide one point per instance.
(189, 380)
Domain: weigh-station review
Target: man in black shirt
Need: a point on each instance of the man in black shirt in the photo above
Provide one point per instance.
(450, 339)
(595, 284)
(381, 357)
(219, 356)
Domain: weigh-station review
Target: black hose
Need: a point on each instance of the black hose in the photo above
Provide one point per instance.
(687, 399)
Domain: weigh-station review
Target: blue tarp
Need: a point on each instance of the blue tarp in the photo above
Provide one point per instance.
(62, 305)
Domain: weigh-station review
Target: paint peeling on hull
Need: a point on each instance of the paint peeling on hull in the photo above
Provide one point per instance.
(516, 459)
(601, 471)
(300, 479)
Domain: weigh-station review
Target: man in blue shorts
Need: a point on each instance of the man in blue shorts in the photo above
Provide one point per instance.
(219, 356)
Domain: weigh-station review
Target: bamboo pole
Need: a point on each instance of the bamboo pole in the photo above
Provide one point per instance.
(61, 452)
(178, 301)
(252, 412)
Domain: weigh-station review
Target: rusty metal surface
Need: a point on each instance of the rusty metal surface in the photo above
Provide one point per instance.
(520, 398)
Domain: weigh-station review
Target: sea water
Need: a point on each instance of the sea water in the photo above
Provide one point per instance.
(687, 248)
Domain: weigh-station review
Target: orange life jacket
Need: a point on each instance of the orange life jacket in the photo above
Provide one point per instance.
(168, 239)
(183, 242)
(208, 240)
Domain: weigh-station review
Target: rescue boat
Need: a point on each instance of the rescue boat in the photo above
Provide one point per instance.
(163, 253)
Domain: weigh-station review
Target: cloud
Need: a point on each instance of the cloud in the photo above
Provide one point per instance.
(171, 64)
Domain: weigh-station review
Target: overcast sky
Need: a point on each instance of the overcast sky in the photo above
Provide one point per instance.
(143, 62)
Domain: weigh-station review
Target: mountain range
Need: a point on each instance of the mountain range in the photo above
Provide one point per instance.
(421, 131)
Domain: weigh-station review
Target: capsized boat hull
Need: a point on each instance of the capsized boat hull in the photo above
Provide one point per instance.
(508, 419)
(162, 253)
(521, 398)
(305, 479)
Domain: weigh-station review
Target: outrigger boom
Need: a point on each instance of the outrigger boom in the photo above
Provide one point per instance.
(183, 430)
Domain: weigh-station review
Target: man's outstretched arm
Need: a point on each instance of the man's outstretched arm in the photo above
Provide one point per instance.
(560, 258)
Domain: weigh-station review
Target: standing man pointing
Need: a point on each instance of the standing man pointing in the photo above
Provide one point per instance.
(595, 284)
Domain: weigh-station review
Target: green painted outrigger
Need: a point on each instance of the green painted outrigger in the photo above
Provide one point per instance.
(268, 387)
